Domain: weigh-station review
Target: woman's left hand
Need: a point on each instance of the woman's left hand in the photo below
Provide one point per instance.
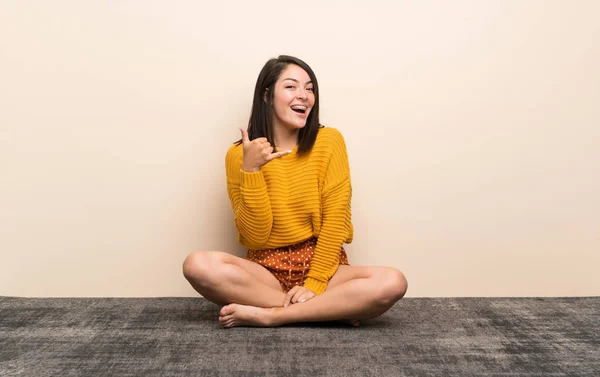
(296, 295)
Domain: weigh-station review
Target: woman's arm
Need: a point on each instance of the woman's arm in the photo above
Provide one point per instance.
(250, 201)
(336, 224)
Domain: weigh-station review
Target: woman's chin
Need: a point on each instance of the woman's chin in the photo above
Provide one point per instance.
(296, 126)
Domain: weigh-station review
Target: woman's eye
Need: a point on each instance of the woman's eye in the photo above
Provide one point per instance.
(289, 87)
(311, 89)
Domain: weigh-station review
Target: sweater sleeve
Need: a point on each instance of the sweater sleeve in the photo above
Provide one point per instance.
(337, 225)
(250, 201)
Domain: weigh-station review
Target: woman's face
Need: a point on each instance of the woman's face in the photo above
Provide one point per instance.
(293, 98)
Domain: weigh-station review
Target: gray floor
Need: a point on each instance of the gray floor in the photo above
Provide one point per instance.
(418, 337)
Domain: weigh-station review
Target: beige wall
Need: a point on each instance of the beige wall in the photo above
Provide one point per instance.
(472, 128)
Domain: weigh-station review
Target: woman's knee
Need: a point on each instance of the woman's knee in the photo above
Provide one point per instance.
(392, 286)
(200, 266)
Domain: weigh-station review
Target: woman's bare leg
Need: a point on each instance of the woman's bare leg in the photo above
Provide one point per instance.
(353, 292)
(223, 279)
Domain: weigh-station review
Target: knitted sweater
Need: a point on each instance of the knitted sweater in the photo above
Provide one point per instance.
(293, 198)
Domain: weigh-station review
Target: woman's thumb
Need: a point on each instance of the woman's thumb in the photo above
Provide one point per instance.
(245, 138)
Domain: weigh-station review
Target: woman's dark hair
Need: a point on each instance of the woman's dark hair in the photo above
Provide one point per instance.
(261, 117)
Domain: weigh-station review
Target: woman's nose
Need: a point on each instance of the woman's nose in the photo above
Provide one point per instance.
(301, 94)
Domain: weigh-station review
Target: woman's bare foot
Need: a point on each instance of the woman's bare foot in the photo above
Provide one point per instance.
(233, 315)
(242, 315)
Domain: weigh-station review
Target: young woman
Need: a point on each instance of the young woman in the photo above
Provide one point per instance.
(289, 183)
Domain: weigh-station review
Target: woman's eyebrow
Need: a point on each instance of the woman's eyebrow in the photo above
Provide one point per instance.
(296, 81)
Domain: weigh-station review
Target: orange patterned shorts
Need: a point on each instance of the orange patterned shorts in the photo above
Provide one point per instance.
(289, 264)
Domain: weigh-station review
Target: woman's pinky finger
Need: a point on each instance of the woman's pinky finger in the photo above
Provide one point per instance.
(306, 297)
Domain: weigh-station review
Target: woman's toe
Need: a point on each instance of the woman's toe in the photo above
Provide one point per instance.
(225, 310)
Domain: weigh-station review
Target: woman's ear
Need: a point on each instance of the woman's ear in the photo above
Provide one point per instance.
(265, 96)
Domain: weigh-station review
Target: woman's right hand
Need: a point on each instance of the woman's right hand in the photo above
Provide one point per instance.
(257, 152)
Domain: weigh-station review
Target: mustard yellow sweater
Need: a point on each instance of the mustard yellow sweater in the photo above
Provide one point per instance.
(293, 198)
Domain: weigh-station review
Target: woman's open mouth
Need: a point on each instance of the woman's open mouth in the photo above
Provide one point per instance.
(299, 109)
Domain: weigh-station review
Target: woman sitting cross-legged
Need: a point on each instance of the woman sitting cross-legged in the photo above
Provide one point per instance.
(289, 183)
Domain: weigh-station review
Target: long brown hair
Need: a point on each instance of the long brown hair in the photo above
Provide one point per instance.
(261, 116)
